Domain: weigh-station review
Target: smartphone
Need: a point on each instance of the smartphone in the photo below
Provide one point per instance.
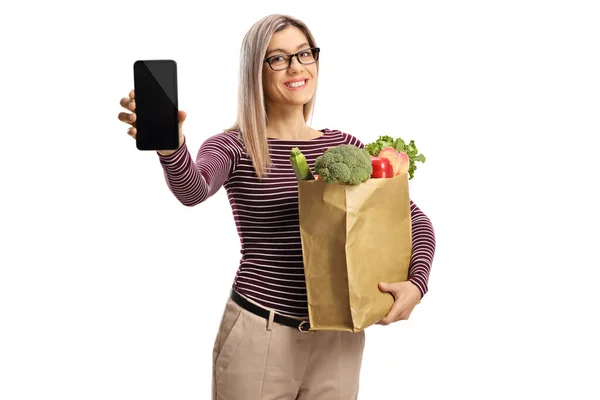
(156, 104)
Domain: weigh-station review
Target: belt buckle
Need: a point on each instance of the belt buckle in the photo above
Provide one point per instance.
(302, 324)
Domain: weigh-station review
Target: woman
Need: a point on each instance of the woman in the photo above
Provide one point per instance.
(263, 348)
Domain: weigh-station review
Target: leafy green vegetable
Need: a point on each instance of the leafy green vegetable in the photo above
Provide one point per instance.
(345, 163)
(380, 144)
(400, 145)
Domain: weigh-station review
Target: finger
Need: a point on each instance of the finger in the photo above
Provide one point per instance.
(124, 117)
(132, 94)
(128, 103)
(383, 286)
(127, 118)
(132, 132)
(394, 314)
(387, 288)
(181, 116)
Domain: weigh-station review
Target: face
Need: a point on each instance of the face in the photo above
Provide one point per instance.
(281, 86)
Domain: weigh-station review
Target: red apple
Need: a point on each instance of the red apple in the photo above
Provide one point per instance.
(382, 168)
(391, 154)
(399, 160)
(404, 163)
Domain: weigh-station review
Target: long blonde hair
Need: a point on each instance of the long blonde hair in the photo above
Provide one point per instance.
(251, 119)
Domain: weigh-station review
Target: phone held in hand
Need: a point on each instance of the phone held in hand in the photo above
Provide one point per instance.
(156, 104)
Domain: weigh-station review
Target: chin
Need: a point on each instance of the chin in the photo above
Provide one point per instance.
(293, 99)
(301, 100)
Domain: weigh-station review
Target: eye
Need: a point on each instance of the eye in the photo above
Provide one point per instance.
(306, 54)
(277, 59)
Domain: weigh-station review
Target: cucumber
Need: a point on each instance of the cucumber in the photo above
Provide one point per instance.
(300, 166)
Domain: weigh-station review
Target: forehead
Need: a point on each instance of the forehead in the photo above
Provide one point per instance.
(288, 39)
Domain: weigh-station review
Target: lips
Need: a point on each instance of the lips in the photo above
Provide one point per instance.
(296, 83)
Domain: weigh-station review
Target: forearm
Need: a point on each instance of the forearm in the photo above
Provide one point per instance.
(423, 248)
(194, 182)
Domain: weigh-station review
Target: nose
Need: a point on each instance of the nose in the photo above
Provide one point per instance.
(295, 64)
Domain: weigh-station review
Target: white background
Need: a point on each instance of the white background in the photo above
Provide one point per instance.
(111, 289)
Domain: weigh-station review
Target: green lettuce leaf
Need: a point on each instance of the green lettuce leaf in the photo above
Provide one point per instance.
(400, 145)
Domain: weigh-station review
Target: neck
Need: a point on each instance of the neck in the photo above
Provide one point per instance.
(287, 123)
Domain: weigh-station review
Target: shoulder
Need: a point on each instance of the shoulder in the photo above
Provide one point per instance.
(342, 137)
(229, 141)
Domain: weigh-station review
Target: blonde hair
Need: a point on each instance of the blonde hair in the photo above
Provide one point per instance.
(251, 119)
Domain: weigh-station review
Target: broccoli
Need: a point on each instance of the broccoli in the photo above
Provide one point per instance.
(345, 163)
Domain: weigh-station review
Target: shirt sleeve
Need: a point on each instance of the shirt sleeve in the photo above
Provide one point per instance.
(193, 182)
(423, 248)
(423, 239)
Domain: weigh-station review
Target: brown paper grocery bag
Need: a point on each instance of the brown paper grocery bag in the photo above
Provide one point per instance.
(352, 238)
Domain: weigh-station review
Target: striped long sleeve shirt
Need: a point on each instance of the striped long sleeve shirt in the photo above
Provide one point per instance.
(271, 270)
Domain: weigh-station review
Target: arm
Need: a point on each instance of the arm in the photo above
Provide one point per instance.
(409, 293)
(423, 248)
(194, 182)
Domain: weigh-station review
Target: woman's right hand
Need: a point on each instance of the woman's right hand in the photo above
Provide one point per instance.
(129, 118)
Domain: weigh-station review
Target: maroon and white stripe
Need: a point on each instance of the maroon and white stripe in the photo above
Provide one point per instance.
(271, 270)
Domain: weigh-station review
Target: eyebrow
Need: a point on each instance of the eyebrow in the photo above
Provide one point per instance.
(283, 51)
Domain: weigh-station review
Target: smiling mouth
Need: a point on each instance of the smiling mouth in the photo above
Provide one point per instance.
(298, 84)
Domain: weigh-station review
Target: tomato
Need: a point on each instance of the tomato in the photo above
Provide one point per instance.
(382, 168)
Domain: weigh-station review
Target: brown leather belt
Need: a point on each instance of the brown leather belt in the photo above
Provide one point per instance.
(302, 326)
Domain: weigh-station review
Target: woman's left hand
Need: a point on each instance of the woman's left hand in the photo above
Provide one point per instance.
(406, 296)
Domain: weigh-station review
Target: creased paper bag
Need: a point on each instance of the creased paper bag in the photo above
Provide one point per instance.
(352, 238)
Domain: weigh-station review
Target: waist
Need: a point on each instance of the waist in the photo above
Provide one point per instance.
(300, 323)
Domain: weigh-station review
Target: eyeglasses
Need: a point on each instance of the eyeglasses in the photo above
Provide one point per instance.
(284, 61)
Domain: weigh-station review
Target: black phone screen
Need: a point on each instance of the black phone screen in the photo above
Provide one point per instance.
(156, 107)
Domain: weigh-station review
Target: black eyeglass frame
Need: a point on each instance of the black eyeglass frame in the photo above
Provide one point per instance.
(314, 50)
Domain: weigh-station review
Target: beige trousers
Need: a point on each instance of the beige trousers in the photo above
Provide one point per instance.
(257, 360)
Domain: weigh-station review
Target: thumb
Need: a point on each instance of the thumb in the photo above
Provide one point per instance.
(385, 287)
(181, 115)
(388, 288)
